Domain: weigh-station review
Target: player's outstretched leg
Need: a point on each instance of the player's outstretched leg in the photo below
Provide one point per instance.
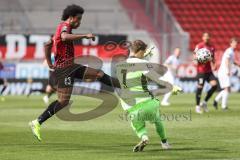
(91, 73)
(138, 125)
(2, 90)
(161, 132)
(210, 93)
(217, 98)
(198, 98)
(165, 99)
(35, 127)
(64, 95)
(224, 81)
(141, 145)
(208, 96)
(49, 112)
(225, 98)
(49, 92)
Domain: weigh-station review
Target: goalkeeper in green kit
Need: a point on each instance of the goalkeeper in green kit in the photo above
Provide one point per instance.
(140, 103)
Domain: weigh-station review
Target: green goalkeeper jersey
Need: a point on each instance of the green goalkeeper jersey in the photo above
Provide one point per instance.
(134, 83)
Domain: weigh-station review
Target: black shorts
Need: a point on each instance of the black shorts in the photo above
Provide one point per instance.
(202, 77)
(65, 76)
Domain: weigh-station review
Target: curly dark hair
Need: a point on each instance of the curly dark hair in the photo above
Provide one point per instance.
(72, 10)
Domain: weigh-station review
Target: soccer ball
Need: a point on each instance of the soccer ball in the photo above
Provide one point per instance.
(203, 55)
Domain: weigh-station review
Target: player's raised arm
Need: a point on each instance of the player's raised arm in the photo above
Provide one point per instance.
(194, 53)
(152, 75)
(72, 37)
(196, 49)
(72, 17)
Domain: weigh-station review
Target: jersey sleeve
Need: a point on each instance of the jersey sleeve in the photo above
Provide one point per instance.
(65, 28)
(62, 27)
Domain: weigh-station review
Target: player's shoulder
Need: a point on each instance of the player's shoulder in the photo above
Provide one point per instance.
(208, 46)
(171, 57)
(130, 62)
(63, 26)
(203, 45)
(200, 45)
(60, 24)
(211, 46)
(229, 51)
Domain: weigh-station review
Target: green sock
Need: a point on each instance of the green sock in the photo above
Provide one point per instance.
(160, 129)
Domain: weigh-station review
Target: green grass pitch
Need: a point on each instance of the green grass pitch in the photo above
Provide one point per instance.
(213, 135)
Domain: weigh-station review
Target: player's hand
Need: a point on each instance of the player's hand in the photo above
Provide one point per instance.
(51, 68)
(90, 36)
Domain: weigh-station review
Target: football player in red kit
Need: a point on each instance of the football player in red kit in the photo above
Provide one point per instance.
(204, 73)
(66, 71)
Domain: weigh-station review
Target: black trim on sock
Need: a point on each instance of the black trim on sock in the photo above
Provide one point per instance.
(3, 89)
(198, 95)
(164, 140)
(210, 93)
(49, 112)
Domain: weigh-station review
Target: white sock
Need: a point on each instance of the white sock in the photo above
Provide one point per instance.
(219, 96)
(225, 99)
(166, 97)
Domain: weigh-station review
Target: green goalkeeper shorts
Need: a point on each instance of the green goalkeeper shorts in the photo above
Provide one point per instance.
(145, 111)
(142, 112)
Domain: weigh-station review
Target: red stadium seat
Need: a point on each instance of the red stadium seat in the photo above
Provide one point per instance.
(219, 17)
